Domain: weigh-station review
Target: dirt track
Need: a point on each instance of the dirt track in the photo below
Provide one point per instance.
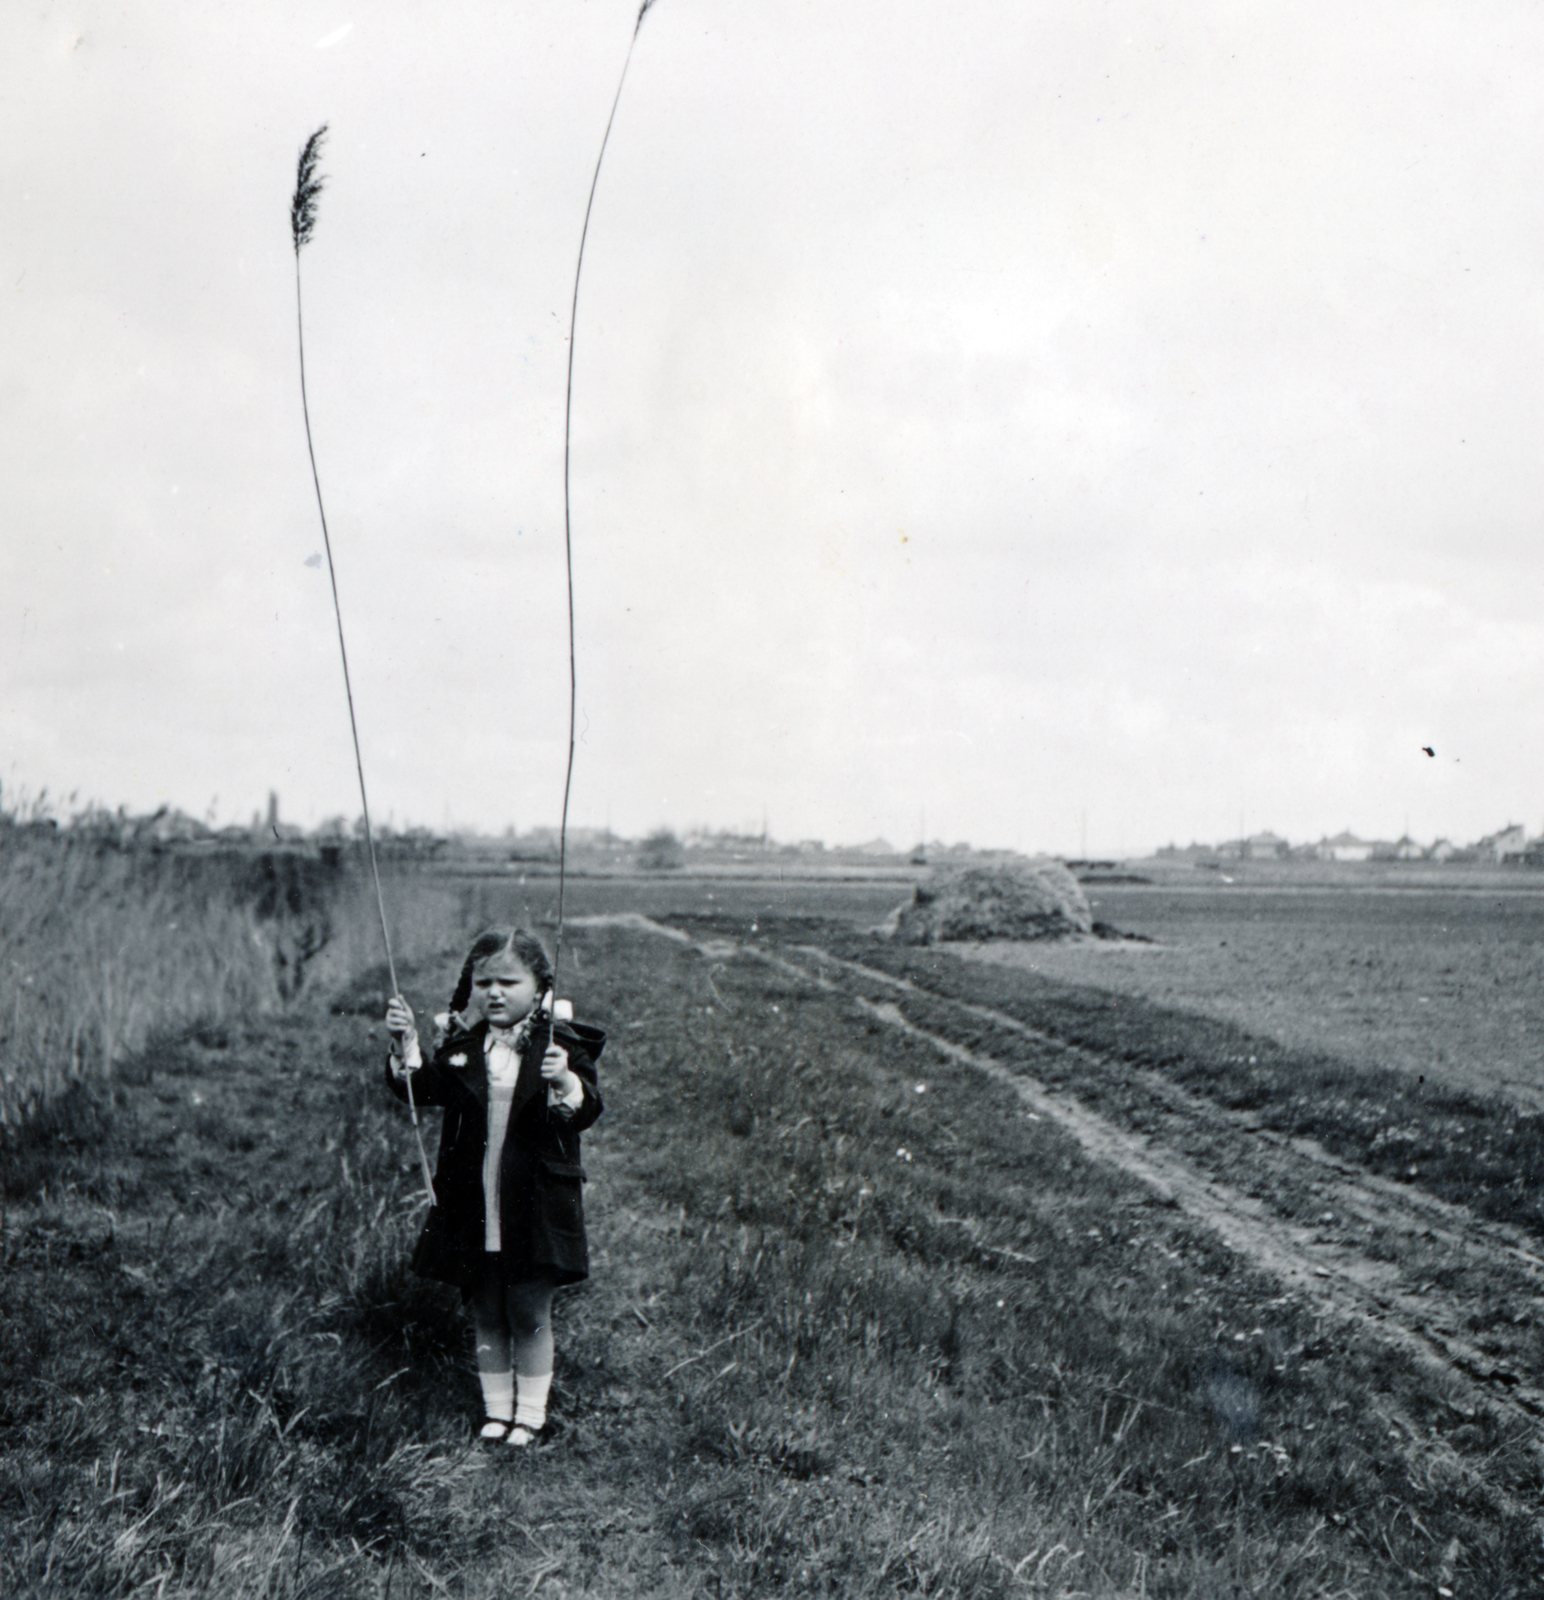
(1326, 1262)
(1460, 1295)
(1488, 1274)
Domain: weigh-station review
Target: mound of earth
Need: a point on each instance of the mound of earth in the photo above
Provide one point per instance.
(1006, 900)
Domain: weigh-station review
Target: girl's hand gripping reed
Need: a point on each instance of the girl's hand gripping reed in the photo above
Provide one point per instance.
(404, 1032)
(554, 1068)
(554, 1061)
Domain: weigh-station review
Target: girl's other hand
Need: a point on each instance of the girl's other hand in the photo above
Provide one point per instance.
(554, 1069)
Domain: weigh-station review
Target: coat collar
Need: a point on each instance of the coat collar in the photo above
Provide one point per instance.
(474, 1072)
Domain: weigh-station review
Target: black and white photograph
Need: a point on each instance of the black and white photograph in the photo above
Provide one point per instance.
(772, 800)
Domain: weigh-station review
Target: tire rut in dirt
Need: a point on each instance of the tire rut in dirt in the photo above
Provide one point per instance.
(1253, 1188)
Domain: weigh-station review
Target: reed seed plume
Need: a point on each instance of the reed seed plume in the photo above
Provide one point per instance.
(308, 189)
(568, 530)
(308, 185)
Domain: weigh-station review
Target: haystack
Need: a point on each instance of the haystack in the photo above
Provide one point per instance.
(1007, 900)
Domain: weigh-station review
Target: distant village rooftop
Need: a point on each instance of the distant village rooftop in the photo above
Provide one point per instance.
(1508, 846)
(706, 849)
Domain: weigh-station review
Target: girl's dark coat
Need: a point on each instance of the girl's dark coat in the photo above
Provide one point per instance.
(541, 1213)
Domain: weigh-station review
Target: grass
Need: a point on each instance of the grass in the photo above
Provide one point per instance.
(103, 950)
(98, 949)
(857, 1327)
(1484, 1152)
(1440, 979)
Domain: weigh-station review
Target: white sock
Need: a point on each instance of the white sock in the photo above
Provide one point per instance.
(498, 1394)
(532, 1411)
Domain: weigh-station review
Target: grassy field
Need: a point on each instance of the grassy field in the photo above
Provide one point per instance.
(1430, 977)
(102, 950)
(859, 1325)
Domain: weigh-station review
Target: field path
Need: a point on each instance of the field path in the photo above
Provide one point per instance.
(1459, 1294)
(1480, 1265)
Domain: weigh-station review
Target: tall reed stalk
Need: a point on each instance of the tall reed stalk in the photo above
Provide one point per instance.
(568, 531)
(308, 190)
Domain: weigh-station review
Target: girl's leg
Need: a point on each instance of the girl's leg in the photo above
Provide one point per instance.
(529, 1309)
(490, 1320)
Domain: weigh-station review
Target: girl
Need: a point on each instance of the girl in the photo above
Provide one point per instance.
(510, 1228)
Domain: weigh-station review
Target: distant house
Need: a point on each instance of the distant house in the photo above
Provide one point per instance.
(1345, 847)
(874, 847)
(1265, 846)
(1442, 850)
(167, 826)
(1513, 850)
(1406, 849)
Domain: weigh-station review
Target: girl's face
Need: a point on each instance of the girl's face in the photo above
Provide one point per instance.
(504, 989)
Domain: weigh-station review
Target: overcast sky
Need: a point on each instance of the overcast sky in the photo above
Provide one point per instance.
(1048, 425)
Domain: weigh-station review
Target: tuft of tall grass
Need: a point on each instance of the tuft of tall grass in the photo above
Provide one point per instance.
(103, 950)
(97, 955)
